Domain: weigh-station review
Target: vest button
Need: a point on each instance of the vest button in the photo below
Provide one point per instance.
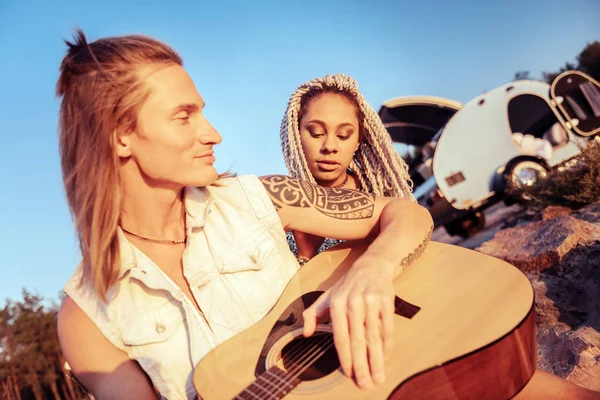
(160, 328)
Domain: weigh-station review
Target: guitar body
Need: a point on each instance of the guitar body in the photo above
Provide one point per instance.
(464, 329)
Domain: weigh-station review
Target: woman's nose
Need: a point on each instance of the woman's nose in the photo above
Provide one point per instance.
(329, 145)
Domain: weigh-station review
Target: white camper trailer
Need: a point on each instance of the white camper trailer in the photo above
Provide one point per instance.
(512, 134)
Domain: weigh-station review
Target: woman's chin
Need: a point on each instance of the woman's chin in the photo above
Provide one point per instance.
(326, 178)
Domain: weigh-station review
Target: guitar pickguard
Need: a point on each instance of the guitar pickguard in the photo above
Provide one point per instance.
(291, 319)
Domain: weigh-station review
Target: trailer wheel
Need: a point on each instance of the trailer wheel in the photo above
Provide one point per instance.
(523, 174)
(466, 226)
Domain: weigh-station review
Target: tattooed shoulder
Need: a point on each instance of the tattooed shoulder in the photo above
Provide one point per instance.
(335, 203)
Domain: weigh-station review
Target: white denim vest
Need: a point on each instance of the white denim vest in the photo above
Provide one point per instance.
(237, 263)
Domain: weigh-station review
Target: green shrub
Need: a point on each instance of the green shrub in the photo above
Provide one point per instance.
(574, 184)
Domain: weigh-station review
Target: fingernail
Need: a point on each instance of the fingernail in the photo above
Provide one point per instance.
(379, 377)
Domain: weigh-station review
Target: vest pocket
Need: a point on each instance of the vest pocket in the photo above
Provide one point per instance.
(153, 326)
(158, 341)
(252, 254)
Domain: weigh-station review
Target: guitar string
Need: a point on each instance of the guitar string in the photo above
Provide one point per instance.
(294, 359)
(308, 359)
(285, 382)
(283, 379)
(278, 387)
(249, 392)
(301, 349)
(303, 352)
(316, 357)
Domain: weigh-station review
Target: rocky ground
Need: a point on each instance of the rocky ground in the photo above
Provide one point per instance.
(559, 250)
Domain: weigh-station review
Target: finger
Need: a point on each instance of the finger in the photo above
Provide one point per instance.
(387, 324)
(313, 312)
(374, 340)
(341, 337)
(358, 345)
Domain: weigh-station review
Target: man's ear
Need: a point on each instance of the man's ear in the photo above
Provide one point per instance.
(124, 140)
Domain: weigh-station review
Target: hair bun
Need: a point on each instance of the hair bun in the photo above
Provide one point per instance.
(76, 61)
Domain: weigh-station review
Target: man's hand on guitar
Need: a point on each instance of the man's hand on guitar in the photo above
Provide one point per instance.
(361, 306)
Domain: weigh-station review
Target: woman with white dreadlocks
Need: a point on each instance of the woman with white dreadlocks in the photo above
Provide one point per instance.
(331, 136)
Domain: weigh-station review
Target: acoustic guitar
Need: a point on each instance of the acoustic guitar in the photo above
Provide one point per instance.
(464, 329)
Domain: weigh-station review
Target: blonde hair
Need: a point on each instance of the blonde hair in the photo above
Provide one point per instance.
(101, 96)
(379, 168)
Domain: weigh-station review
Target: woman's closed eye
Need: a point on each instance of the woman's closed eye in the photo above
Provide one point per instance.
(345, 135)
(316, 134)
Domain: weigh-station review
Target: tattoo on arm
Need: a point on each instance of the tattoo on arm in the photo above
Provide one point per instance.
(335, 203)
(409, 259)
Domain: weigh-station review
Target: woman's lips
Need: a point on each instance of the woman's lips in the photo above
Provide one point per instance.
(328, 165)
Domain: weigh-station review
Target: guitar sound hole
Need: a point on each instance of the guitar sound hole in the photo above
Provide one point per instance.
(310, 358)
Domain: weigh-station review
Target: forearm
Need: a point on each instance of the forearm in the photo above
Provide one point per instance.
(401, 227)
(404, 232)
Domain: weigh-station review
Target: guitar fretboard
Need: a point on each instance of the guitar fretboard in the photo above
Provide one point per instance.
(271, 384)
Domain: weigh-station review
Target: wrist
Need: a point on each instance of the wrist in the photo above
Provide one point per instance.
(380, 265)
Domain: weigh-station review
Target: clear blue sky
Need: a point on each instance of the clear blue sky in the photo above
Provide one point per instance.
(246, 58)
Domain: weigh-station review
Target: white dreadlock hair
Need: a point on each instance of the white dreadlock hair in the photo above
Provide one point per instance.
(379, 168)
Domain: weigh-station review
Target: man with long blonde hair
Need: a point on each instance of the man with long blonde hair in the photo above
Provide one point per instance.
(175, 260)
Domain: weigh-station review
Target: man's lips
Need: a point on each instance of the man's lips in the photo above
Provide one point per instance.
(208, 156)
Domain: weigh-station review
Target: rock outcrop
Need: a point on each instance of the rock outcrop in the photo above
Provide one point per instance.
(560, 253)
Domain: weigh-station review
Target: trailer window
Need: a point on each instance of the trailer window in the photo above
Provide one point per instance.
(531, 115)
(579, 98)
(583, 101)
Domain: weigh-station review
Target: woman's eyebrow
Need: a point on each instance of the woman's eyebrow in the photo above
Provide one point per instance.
(324, 125)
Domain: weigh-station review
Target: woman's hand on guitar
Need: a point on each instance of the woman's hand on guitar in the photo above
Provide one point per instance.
(361, 306)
